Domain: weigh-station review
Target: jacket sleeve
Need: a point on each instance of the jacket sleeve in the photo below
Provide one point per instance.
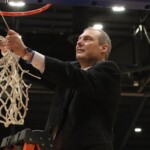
(102, 76)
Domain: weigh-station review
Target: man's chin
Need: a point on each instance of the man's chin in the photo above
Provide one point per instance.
(79, 56)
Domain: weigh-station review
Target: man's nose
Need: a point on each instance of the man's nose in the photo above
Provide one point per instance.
(80, 42)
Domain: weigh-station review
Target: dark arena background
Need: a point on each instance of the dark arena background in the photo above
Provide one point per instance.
(54, 32)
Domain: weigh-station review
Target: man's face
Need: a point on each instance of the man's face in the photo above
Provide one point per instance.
(87, 47)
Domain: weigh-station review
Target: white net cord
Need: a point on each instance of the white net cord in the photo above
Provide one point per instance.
(13, 91)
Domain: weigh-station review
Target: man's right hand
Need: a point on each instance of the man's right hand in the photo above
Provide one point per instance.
(15, 43)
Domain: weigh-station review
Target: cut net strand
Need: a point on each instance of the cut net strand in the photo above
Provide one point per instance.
(13, 91)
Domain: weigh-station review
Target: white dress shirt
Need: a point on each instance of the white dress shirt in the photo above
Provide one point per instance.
(38, 61)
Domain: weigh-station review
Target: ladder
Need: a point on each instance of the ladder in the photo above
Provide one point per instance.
(28, 140)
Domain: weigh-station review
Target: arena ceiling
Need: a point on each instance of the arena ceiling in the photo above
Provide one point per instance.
(54, 33)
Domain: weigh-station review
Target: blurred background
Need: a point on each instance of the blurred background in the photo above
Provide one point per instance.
(54, 32)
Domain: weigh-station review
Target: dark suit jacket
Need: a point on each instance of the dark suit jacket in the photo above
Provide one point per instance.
(86, 101)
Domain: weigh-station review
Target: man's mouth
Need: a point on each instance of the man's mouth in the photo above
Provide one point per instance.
(80, 50)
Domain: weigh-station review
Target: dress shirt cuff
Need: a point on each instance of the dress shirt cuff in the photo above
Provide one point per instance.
(38, 61)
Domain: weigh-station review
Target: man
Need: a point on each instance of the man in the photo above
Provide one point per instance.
(87, 92)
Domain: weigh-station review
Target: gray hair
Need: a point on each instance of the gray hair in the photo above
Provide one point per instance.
(103, 39)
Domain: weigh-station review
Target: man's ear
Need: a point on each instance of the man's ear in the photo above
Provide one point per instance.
(104, 48)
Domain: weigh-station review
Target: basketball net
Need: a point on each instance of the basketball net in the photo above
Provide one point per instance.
(13, 91)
